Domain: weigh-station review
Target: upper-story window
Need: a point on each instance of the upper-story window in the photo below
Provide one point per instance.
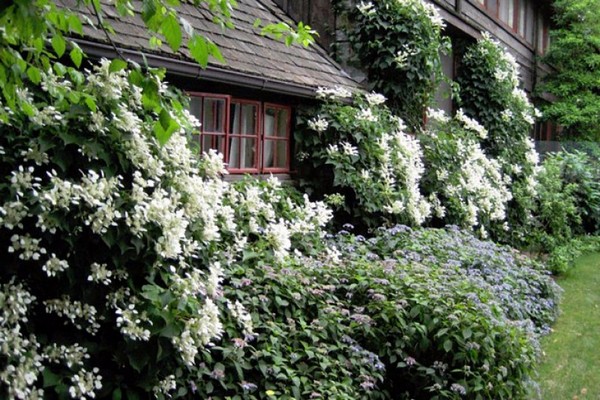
(518, 15)
(543, 34)
(253, 137)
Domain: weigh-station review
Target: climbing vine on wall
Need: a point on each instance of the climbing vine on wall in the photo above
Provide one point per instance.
(398, 44)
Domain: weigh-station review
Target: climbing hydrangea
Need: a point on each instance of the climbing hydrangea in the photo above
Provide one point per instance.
(119, 244)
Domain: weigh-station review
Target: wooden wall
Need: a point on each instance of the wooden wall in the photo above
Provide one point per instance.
(464, 17)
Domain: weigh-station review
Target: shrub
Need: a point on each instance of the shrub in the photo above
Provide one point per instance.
(489, 93)
(116, 246)
(465, 186)
(397, 43)
(438, 334)
(363, 151)
(521, 286)
(568, 207)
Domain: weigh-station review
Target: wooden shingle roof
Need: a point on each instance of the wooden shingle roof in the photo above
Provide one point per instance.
(252, 59)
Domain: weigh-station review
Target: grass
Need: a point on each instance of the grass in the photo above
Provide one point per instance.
(571, 366)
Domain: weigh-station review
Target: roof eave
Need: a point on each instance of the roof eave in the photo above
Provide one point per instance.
(192, 69)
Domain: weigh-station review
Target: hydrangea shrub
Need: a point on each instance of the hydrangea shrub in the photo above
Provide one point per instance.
(466, 186)
(364, 152)
(490, 93)
(116, 247)
(397, 44)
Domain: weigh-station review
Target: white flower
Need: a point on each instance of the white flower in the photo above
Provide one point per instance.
(437, 115)
(332, 150)
(366, 114)
(366, 8)
(334, 93)
(507, 115)
(129, 320)
(84, 384)
(278, 235)
(375, 99)
(319, 124)
(349, 149)
(471, 124)
(54, 265)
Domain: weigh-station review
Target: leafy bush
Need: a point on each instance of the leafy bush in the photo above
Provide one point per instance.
(465, 186)
(568, 207)
(490, 93)
(116, 246)
(520, 286)
(397, 43)
(356, 323)
(363, 152)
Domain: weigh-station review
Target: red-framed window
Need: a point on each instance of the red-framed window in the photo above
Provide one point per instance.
(244, 137)
(543, 34)
(276, 141)
(517, 15)
(213, 113)
(254, 137)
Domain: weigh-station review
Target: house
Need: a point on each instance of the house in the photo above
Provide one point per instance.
(247, 104)
(522, 26)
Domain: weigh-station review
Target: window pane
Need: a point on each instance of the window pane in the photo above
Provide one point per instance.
(522, 18)
(242, 153)
(529, 24)
(243, 119)
(282, 123)
(281, 159)
(196, 107)
(507, 12)
(213, 142)
(275, 154)
(268, 155)
(195, 110)
(234, 152)
(214, 115)
(492, 6)
(269, 122)
(248, 156)
(249, 115)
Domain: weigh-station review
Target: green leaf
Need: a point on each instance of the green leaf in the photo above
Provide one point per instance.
(76, 56)
(91, 103)
(59, 45)
(50, 378)
(117, 395)
(199, 50)
(34, 75)
(448, 345)
(117, 65)
(172, 32)
(75, 24)
(165, 119)
(59, 68)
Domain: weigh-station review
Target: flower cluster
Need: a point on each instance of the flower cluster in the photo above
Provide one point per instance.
(490, 72)
(111, 234)
(397, 45)
(372, 154)
(467, 186)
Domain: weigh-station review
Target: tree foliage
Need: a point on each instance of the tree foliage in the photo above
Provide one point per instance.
(575, 55)
(37, 36)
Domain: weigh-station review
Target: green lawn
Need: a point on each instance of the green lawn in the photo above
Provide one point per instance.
(571, 366)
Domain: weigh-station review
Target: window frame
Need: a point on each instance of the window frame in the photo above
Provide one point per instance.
(258, 127)
(201, 132)
(260, 136)
(286, 138)
(516, 17)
